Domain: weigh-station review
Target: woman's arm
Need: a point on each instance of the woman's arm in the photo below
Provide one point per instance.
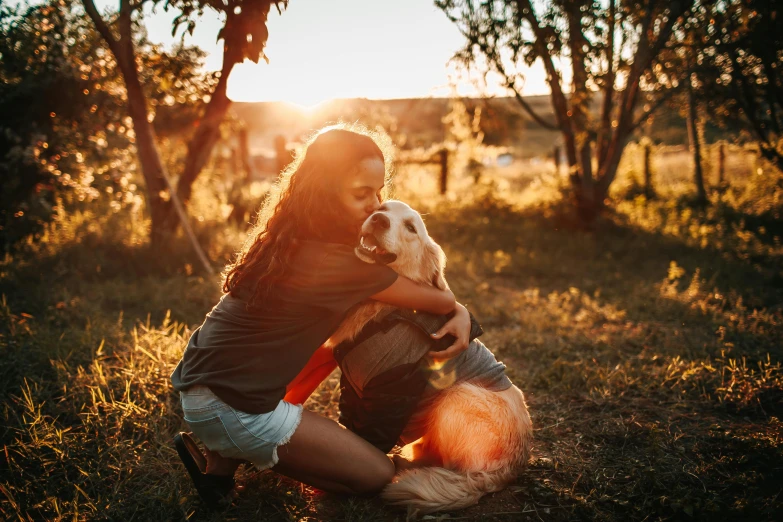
(404, 293)
(318, 368)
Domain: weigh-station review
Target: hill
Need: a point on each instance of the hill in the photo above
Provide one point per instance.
(417, 122)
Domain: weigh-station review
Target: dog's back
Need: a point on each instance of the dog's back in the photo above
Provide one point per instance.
(480, 428)
(482, 438)
(476, 365)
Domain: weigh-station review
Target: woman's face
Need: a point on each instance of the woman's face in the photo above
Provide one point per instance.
(360, 194)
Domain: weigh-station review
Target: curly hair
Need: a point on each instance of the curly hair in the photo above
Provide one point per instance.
(301, 206)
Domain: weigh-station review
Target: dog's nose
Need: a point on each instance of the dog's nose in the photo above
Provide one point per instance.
(380, 221)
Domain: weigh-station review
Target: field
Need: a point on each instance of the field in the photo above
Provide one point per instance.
(648, 345)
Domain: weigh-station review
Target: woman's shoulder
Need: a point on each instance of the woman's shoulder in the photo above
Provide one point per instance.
(311, 246)
(337, 262)
(325, 255)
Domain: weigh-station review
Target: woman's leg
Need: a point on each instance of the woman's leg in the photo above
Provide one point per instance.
(418, 454)
(323, 454)
(219, 465)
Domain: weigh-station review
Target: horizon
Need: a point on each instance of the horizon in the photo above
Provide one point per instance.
(445, 97)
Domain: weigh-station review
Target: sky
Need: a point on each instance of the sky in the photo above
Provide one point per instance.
(324, 49)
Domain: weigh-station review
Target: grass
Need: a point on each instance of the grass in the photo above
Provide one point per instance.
(648, 347)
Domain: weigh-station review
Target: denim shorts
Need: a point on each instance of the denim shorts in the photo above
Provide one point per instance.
(236, 434)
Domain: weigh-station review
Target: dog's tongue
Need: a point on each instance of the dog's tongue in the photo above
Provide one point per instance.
(383, 257)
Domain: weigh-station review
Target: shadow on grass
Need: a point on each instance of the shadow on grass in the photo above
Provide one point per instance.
(635, 459)
(624, 265)
(615, 440)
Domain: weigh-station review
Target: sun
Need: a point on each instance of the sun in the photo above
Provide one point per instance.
(250, 83)
(307, 103)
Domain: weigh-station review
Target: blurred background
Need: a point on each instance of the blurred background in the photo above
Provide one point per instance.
(605, 177)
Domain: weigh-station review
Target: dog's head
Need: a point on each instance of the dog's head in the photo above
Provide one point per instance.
(395, 235)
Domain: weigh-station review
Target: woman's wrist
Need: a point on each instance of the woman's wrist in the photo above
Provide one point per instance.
(449, 304)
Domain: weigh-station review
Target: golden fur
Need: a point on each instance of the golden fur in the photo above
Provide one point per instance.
(477, 439)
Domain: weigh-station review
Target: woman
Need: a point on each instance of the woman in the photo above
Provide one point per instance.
(288, 290)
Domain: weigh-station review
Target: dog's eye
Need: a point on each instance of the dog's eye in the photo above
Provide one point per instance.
(410, 228)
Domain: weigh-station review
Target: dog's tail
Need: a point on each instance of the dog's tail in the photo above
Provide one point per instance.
(436, 489)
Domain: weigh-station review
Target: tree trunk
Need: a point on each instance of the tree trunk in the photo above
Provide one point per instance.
(693, 135)
(206, 135)
(160, 192)
(589, 201)
(608, 172)
(604, 134)
(158, 196)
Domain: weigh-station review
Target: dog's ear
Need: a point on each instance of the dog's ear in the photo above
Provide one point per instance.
(436, 263)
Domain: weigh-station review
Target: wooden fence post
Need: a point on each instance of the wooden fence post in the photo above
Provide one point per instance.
(721, 162)
(282, 154)
(241, 175)
(556, 158)
(244, 154)
(649, 192)
(444, 170)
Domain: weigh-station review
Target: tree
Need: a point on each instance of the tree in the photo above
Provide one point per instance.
(612, 48)
(687, 56)
(63, 134)
(244, 35)
(739, 75)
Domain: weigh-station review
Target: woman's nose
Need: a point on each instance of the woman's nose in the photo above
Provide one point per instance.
(373, 206)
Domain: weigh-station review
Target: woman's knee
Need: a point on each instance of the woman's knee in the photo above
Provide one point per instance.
(375, 476)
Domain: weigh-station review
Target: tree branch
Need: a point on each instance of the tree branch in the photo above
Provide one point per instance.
(641, 62)
(644, 60)
(490, 52)
(606, 110)
(526, 12)
(100, 24)
(660, 101)
(772, 91)
(511, 84)
(747, 101)
(678, 9)
(559, 101)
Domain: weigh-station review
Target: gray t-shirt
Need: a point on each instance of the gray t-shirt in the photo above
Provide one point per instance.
(405, 343)
(248, 355)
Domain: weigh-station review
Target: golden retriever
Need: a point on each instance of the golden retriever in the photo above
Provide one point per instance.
(476, 440)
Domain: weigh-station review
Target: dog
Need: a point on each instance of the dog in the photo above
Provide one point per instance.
(474, 440)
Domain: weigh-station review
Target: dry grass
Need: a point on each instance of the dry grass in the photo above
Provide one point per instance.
(649, 349)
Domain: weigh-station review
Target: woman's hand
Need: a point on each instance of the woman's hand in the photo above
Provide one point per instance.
(459, 327)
